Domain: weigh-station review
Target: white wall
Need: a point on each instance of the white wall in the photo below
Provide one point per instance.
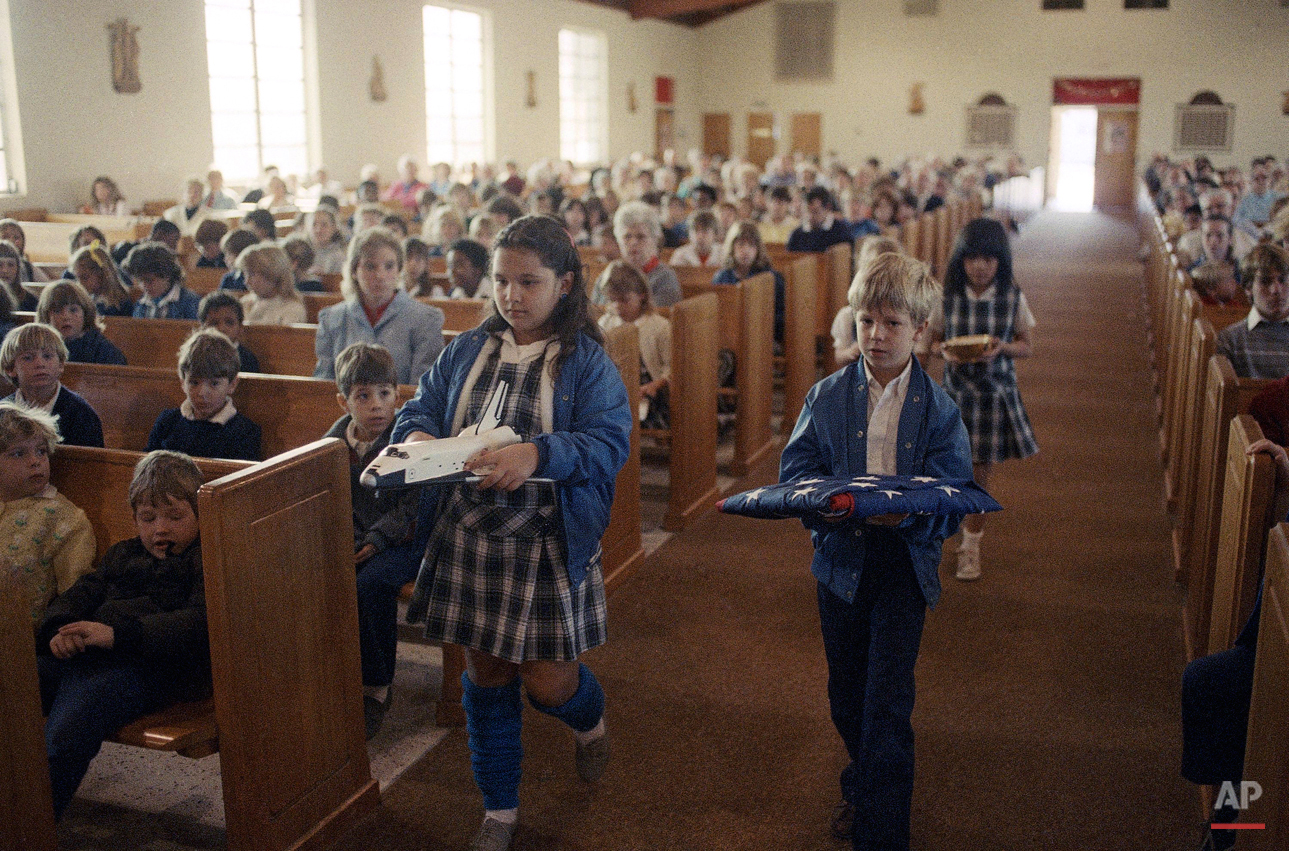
(1234, 47)
(74, 126)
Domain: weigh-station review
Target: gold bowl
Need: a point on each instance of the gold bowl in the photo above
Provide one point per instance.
(967, 348)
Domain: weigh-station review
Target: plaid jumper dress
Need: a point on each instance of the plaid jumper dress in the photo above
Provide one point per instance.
(986, 392)
(496, 560)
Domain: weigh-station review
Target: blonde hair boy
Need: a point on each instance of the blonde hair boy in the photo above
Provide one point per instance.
(898, 283)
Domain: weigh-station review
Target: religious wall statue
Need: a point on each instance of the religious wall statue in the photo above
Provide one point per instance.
(377, 84)
(917, 105)
(125, 57)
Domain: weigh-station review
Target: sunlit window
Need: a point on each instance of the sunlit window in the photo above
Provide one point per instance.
(454, 85)
(255, 55)
(583, 96)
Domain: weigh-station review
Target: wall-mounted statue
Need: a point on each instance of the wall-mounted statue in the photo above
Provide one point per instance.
(125, 57)
(377, 84)
(917, 105)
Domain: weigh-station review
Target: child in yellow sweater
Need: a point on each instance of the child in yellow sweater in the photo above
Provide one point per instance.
(45, 540)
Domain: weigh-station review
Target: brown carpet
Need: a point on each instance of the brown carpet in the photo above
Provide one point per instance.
(1047, 713)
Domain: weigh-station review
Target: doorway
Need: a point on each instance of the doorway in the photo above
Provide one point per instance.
(1072, 170)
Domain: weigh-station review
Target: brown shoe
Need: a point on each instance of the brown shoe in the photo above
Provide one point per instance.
(843, 820)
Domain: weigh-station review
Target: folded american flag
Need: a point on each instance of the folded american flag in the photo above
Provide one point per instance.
(861, 496)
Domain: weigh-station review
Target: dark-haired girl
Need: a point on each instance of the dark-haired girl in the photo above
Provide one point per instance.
(512, 572)
(981, 297)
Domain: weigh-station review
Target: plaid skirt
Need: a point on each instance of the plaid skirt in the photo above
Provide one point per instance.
(996, 422)
(494, 579)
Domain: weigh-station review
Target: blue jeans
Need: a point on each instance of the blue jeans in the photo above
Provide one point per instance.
(88, 698)
(379, 580)
(872, 648)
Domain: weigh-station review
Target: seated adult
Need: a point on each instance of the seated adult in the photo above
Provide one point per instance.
(822, 228)
(1216, 233)
(1254, 210)
(405, 189)
(189, 213)
(1258, 346)
(1218, 284)
(638, 229)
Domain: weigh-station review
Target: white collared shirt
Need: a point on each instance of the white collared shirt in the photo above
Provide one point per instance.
(155, 309)
(221, 417)
(884, 406)
(1255, 317)
(48, 407)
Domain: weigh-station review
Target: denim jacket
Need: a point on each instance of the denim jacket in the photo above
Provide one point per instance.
(589, 444)
(828, 441)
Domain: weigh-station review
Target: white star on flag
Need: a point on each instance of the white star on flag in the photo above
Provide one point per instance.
(866, 478)
(862, 484)
(892, 494)
(804, 491)
(755, 495)
(949, 491)
(809, 481)
(924, 479)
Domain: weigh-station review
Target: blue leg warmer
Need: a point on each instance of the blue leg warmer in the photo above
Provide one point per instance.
(584, 709)
(492, 720)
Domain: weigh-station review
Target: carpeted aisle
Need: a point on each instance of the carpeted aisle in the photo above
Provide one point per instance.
(1047, 715)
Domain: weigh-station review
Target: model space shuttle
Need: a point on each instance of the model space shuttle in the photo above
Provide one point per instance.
(433, 462)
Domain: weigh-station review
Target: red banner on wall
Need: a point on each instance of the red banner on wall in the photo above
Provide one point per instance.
(663, 89)
(1081, 92)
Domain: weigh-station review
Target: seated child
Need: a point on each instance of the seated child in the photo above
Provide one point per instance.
(154, 268)
(627, 294)
(876, 578)
(468, 270)
(210, 234)
(367, 381)
(33, 356)
(845, 344)
(11, 277)
(233, 244)
(93, 268)
(368, 215)
(300, 251)
(416, 269)
(1258, 346)
(395, 223)
(272, 299)
(167, 233)
(1217, 285)
(11, 231)
(207, 425)
(223, 312)
(701, 250)
(129, 638)
(48, 541)
(604, 241)
(745, 256)
(68, 307)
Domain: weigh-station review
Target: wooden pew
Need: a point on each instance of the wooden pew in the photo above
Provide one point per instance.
(1266, 752)
(206, 280)
(1185, 309)
(26, 806)
(1225, 396)
(623, 550)
(695, 337)
(1202, 343)
(799, 364)
(154, 343)
(746, 313)
(459, 314)
(1246, 503)
(290, 410)
(288, 724)
(47, 242)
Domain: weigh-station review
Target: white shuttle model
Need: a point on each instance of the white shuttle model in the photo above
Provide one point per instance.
(432, 462)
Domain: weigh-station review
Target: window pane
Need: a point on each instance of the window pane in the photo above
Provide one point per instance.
(231, 60)
(231, 95)
(228, 25)
(454, 97)
(232, 129)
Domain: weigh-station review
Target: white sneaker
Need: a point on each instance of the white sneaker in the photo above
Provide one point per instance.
(968, 564)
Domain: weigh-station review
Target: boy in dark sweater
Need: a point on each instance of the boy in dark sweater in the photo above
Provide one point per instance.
(130, 637)
(206, 424)
(384, 554)
(33, 356)
(223, 311)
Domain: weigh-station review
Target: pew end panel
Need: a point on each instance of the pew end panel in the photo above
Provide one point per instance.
(1266, 757)
(695, 335)
(283, 615)
(26, 806)
(799, 371)
(1203, 342)
(623, 549)
(1246, 505)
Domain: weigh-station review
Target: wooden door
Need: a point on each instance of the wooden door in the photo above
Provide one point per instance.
(1116, 160)
(760, 137)
(716, 133)
(664, 131)
(807, 134)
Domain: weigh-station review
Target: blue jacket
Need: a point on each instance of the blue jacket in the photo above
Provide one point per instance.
(829, 441)
(412, 331)
(185, 307)
(589, 444)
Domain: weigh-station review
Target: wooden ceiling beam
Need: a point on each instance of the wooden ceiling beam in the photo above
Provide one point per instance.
(670, 9)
